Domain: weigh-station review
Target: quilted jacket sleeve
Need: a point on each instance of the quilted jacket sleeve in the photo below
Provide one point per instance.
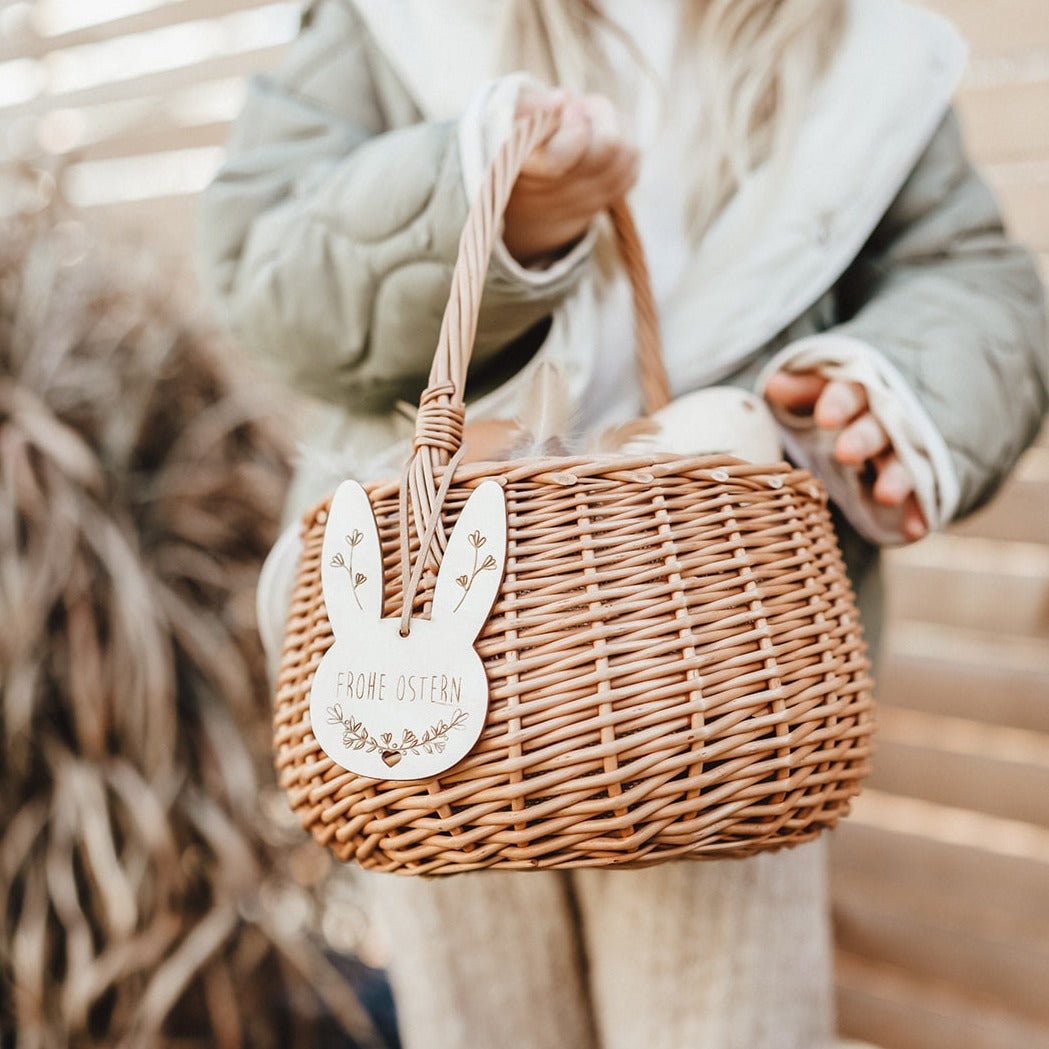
(329, 234)
(957, 306)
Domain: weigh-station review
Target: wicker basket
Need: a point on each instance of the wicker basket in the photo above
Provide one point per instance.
(675, 662)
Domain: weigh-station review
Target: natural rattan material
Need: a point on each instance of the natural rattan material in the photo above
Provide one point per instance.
(675, 662)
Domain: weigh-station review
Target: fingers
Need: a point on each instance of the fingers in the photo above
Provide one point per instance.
(532, 97)
(604, 122)
(565, 149)
(839, 404)
(914, 524)
(619, 177)
(843, 406)
(589, 145)
(861, 440)
(606, 133)
(894, 482)
(834, 406)
(894, 486)
(832, 403)
(795, 391)
(581, 169)
(610, 160)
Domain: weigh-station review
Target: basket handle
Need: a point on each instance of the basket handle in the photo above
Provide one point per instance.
(439, 422)
(434, 427)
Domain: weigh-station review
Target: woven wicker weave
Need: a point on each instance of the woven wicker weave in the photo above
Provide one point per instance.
(675, 662)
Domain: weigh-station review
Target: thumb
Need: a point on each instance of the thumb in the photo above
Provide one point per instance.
(533, 97)
(565, 147)
(795, 391)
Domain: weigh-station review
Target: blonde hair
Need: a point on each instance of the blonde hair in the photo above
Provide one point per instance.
(759, 61)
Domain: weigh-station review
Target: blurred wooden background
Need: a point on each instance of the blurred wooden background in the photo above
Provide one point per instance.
(941, 876)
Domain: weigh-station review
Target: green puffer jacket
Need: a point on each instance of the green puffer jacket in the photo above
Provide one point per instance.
(329, 235)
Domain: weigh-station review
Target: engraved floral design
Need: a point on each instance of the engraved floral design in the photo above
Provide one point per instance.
(466, 580)
(357, 737)
(353, 540)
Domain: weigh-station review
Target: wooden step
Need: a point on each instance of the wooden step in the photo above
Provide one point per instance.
(1001, 27)
(26, 43)
(895, 929)
(1006, 122)
(977, 675)
(162, 82)
(166, 136)
(894, 1009)
(993, 873)
(1020, 511)
(971, 582)
(1021, 191)
(999, 771)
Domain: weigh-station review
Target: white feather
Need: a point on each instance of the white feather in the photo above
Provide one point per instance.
(545, 419)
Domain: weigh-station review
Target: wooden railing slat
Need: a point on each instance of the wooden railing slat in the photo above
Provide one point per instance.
(952, 761)
(1007, 122)
(900, 1011)
(972, 583)
(998, 26)
(222, 67)
(896, 931)
(175, 12)
(997, 869)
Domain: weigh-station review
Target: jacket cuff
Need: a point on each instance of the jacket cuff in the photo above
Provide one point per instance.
(484, 126)
(915, 438)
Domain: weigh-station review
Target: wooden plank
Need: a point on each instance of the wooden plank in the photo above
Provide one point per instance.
(895, 929)
(977, 675)
(1023, 197)
(994, 871)
(1020, 510)
(1007, 122)
(893, 1009)
(199, 115)
(951, 761)
(163, 136)
(940, 909)
(1003, 26)
(221, 68)
(971, 582)
(1020, 513)
(174, 12)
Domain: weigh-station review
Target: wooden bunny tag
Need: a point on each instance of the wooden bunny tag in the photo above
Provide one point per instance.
(403, 708)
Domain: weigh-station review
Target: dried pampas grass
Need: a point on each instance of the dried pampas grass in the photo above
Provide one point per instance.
(148, 901)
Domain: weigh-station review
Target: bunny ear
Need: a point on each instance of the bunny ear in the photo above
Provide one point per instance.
(473, 562)
(351, 561)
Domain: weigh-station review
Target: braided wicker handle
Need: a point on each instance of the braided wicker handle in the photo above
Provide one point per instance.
(435, 428)
(439, 423)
